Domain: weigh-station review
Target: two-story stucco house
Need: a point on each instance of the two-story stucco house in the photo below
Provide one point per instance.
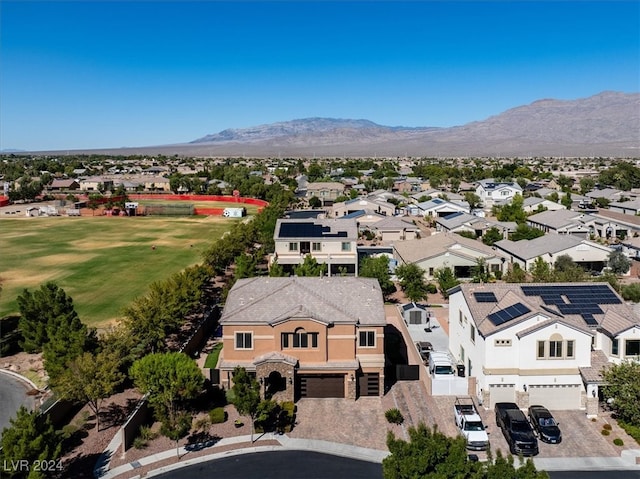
(329, 241)
(306, 337)
(492, 192)
(542, 343)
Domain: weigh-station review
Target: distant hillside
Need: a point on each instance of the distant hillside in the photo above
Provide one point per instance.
(606, 124)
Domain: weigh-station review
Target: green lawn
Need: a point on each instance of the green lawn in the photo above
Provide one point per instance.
(212, 357)
(103, 263)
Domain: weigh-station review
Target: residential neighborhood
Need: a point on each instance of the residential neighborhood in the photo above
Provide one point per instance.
(384, 295)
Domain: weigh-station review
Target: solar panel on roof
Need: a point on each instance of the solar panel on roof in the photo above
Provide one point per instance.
(485, 297)
(589, 319)
(507, 314)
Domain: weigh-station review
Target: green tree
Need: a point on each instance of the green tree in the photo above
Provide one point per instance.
(525, 232)
(68, 339)
(492, 236)
(38, 309)
(431, 454)
(566, 201)
(176, 427)
(623, 386)
(480, 271)
(29, 438)
(91, 378)
(513, 211)
(586, 185)
(541, 271)
(412, 281)
(631, 292)
(170, 379)
(315, 202)
(446, 280)
(566, 270)
(378, 268)
(276, 270)
(515, 274)
(473, 200)
(618, 262)
(246, 394)
(245, 266)
(310, 267)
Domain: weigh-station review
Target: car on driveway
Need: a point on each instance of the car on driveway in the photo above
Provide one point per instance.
(423, 348)
(544, 425)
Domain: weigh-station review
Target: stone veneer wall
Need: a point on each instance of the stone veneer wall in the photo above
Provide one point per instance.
(286, 371)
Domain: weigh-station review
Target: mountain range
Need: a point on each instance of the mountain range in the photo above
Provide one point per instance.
(606, 124)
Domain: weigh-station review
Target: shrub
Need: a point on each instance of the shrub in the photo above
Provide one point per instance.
(217, 415)
(618, 442)
(605, 432)
(288, 416)
(394, 416)
(607, 427)
(202, 424)
(633, 431)
(68, 430)
(139, 443)
(147, 434)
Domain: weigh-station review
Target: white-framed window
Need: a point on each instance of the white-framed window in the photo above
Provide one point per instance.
(346, 246)
(614, 347)
(541, 349)
(367, 338)
(473, 334)
(244, 340)
(316, 246)
(556, 348)
(570, 349)
(293, 246)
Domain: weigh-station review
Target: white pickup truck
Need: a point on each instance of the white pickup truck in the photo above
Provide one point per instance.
(470, 424)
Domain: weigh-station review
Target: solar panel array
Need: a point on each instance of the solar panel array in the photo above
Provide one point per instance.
(308, 230)
(485, 297)
(584, 300)
(507, 314)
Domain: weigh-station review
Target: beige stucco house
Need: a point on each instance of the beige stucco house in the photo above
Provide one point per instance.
(306, 337)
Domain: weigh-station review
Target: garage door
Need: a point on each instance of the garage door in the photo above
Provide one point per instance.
(501, 393)
(369, 384)
(555, 396)
(322, 386)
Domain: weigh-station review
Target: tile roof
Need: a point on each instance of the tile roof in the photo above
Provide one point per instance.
(549, 243)
(345, 300)
(593, 373)
(618, 317)
(420, 249)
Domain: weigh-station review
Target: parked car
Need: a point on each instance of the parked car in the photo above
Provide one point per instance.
(423, 348)
(544, 424)
(516, 429)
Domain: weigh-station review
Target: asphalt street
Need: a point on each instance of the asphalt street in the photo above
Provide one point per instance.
(13, 394)
(281, 465)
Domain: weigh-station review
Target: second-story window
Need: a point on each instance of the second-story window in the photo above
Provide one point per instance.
(346, 246)
(299, 339)
(293, 246)
(316, 246)
(244, 340)
(367, 339)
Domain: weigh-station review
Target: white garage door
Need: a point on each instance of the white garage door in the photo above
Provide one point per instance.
(555, 396)
(501, 393)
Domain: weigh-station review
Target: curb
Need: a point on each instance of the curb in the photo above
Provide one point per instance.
(21, 377)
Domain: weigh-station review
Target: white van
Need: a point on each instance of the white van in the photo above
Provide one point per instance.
(440, 364)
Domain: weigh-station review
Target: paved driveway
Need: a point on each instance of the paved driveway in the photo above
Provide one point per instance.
(13, 394)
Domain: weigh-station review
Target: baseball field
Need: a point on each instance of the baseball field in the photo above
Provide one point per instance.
(103, 263)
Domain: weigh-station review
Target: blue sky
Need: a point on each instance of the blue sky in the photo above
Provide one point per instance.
(90, 74)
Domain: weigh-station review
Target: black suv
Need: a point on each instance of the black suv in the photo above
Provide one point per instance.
(545, 425)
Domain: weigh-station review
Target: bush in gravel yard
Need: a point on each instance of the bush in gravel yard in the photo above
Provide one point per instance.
(394, 416)
(618, 442)
(217, 415)
(607, 427)
(605, 432)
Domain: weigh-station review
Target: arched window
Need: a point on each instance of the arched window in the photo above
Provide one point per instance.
(555, 346)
